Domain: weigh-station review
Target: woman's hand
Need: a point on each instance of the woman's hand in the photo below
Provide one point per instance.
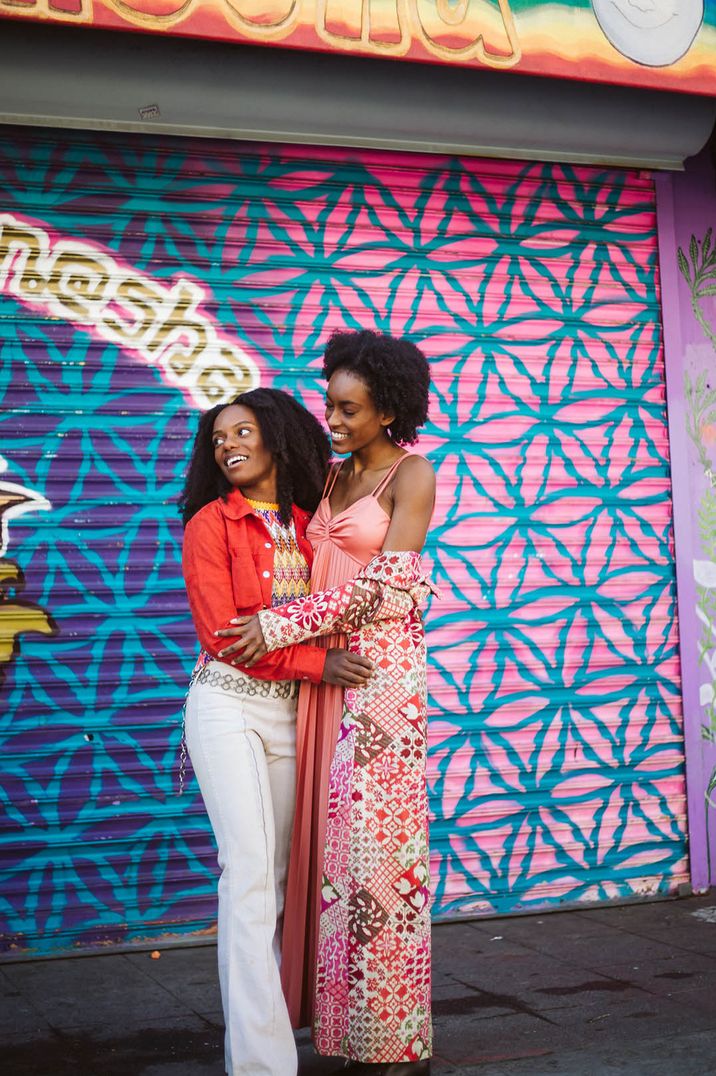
(346, 669)
(250, 641)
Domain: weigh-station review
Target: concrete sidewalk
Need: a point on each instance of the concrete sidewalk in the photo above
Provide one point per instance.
(611, 991)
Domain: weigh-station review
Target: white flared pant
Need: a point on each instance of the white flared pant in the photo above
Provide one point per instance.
(243, 751)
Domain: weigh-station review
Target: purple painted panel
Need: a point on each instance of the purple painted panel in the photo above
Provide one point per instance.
(142, 278)
(686, 218)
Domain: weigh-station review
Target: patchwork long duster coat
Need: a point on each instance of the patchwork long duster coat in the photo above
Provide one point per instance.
(373, 962)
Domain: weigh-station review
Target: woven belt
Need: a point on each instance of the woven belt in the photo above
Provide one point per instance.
(239, 683)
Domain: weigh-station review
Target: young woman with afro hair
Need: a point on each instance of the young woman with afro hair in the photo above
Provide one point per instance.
(356, 954)
(254, 478)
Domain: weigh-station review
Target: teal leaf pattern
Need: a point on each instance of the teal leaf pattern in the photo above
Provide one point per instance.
(556, 763)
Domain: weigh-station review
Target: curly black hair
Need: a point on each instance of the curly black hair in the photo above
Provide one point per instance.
(295, 439)
(396, 372)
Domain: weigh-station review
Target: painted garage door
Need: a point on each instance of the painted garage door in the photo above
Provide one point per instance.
(142, 279)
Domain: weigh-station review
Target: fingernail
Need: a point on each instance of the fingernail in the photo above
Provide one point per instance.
(235, 620)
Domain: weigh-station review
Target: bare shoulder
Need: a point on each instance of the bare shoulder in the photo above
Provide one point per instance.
(416, 466)
(416, 475)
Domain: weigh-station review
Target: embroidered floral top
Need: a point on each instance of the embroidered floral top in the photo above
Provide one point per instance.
(291, 573)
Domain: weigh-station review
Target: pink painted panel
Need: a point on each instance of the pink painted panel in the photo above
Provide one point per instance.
(556, 744)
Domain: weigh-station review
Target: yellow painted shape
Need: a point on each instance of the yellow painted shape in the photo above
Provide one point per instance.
(17, 618)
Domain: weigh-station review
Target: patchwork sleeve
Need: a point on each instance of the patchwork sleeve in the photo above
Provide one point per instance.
(388, 588)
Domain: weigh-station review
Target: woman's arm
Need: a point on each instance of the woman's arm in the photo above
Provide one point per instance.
(206, 564)
(410, 502)
(388, 588)
(374, 594)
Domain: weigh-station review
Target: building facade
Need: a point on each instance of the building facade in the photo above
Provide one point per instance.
(186, 214)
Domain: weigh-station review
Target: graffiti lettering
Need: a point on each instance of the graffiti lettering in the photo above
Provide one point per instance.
(163, 326)
(446, 30)
(55, 10)
(454, 30)
(449, 30)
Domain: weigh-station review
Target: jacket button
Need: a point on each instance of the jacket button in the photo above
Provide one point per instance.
(268, 545)
(266, 575)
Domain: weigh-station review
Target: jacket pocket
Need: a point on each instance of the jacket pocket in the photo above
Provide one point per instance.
(244, 580)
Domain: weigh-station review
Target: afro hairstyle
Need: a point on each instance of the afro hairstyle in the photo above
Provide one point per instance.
(395, 371)
(295, 439)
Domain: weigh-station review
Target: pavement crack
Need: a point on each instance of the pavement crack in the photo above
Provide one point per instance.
(484, 999)
(591, 986)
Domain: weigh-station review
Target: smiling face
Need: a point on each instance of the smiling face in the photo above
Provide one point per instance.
(241, 455)
(353, 419)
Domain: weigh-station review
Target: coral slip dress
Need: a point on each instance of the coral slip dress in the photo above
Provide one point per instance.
(343, 544)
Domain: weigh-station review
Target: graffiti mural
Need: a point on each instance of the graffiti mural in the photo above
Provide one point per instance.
(556, 770)
(656, 34)
(698, 268)
(16, 616)
(88, 287)
(665, 44)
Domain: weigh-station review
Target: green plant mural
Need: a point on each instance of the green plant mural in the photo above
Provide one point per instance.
(699, 271)
(700, 275)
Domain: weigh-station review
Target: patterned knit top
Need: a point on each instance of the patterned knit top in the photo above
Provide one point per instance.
(291, 573)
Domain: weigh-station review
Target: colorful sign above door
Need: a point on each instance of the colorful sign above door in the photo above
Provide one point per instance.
(665, 44)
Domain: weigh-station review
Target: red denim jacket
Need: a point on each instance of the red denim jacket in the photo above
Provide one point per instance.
(227, 560)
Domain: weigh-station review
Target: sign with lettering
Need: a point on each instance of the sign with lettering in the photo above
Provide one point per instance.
(664, 44)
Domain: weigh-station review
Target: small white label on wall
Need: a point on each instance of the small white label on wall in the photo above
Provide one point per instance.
(706, 694)
(705, 573)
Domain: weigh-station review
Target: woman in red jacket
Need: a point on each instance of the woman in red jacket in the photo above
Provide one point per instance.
(256, 474)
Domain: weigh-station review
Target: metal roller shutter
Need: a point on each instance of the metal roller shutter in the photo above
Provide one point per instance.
(141, 278)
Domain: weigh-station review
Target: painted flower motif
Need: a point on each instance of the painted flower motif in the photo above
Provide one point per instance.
(310, 614)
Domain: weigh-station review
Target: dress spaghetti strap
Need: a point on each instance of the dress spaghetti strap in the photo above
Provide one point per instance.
(331, 479)
(386, 479)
